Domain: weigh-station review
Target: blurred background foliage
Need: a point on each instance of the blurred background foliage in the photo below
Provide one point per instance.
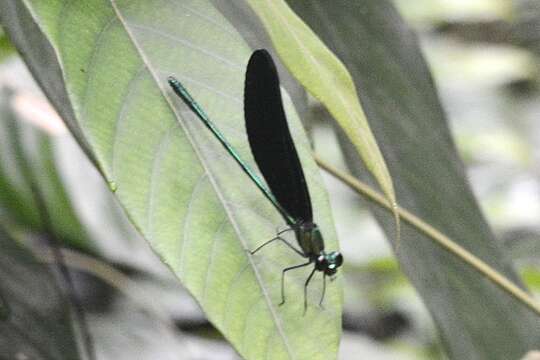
(485, 58)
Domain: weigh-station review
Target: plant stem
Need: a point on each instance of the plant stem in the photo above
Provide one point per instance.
(444, 241)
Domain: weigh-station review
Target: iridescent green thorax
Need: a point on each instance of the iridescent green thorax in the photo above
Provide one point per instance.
(309, 238)
(311, 241)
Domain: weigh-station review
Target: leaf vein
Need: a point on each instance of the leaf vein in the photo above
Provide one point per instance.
(188, 44)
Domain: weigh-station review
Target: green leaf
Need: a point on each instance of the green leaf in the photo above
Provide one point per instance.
(476, 319)
(104, 66)
(326, 78)
(6, 48)
(28, 161)
(34, 315)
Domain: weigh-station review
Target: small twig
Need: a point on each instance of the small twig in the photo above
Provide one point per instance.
(451, 246)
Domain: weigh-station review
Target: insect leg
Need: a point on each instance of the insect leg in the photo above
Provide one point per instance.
(323, 291)
(281, 239)
(283, 279)
(305, 289)
(279, 232)
(263, 245)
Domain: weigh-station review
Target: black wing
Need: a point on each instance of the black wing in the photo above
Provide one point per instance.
(270, 139)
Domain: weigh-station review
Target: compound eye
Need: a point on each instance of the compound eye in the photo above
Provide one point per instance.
(339, 260)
